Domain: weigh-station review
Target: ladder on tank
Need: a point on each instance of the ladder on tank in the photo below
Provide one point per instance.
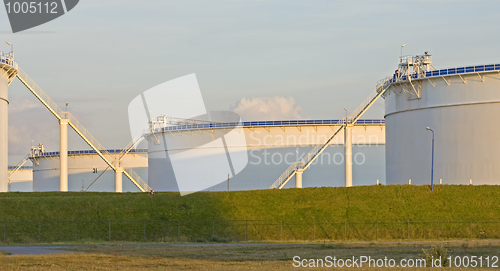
(19, 166)
(78, 128)
(122, 153)
(355, 115)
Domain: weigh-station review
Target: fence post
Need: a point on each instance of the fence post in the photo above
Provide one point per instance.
(281, 230)
(408, 228)
(145, 240)
(345, 229)
(246, 230)
(213, 228)
(314, 230)
(178, 230)
(39, 231)
(163, 231)
(75, 231)
(438, 228)
(471, 228)
(109, 231)
(376, 238)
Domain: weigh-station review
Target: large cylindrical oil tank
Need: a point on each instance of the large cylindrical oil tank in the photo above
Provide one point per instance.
(271, 146)
(8, 70)
(4, 118)
(85, 167)
(461, 106)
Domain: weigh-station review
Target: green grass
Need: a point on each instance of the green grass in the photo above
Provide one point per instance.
(393, 202)
(288, 214)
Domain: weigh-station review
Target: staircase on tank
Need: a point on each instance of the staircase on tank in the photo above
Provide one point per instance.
(78, 127)
(16, 168)
(316, 151)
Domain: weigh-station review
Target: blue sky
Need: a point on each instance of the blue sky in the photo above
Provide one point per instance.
(326, 55)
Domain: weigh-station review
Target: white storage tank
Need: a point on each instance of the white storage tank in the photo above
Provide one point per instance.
(8, 71)
(271, 147)
(461, 106)
(84, 167)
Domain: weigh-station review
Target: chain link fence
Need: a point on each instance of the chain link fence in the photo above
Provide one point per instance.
(244, 230)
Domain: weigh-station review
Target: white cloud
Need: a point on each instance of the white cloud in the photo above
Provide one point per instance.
(268, 108)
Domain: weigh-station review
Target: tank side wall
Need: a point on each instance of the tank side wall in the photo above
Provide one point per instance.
(85, 169)
(22, 181)
(270, 151)
(463, 117)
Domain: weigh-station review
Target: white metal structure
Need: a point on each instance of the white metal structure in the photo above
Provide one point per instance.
(273, 146)
(23, 180)
(346, 124)
(8, 70)
(348, 155)
(120, 164)
(87, 171)
(162, 121)
(461, 105)
(63, 153)
(79, 129)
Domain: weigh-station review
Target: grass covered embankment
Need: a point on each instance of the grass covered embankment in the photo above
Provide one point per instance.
(365, 212)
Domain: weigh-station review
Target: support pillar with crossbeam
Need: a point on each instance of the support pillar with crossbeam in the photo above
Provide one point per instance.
(298, 178)
(348, 155)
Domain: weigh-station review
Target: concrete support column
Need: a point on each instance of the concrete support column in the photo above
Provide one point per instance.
(63, 155)
(298, 178)
(348, 155)
(118, 180)
(4, 126)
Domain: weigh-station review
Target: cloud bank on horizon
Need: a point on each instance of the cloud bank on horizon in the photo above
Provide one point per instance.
(268, 108)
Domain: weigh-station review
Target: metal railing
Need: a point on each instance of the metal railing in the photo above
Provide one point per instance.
(16, 168)
(165, 121)
(285, 176)
(131, 145)
(112, 151)
(43, 97)
(57, 111)
(8, 59)
(73, 122)
(381, 86)
(22, 167)
(444, 72)
(362, 105)
(252, 124)
(307, 160)
(78, 125)
(380, 89)
(315, 152)
(318, 148)
(137, 180)
(407, 60)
